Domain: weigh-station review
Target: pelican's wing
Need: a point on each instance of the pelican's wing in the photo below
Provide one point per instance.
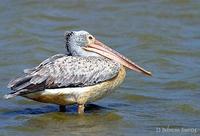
(50, 59)
(66, 71)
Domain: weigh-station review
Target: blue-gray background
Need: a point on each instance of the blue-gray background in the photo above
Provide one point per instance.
(163, 36)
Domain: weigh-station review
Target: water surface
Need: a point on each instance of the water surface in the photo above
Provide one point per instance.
(161, 35)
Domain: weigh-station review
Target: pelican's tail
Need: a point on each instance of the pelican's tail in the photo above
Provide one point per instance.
(8, 96)
(11, 95)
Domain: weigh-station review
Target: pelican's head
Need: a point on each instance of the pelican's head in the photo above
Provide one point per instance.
(82, 43)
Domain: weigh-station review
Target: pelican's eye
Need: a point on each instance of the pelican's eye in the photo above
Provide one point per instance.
(90, 37)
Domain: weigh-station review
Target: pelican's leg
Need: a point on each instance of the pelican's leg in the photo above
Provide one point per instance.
(81, 108)
(62, 108)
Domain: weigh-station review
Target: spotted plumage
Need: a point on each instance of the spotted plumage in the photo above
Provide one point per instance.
(65, 71)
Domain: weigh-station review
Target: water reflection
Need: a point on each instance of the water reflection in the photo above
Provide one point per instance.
(56, 123)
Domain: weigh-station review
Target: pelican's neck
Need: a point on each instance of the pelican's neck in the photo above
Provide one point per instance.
(78, 51)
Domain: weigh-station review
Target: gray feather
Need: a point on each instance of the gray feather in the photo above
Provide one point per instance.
(50, 59)
(19, 81)
(66, 71)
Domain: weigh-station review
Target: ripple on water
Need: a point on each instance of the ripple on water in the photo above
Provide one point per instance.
(165, 65)
(180, 53)
(26, 102)
(54, 18)
(140, 98)
(60, 123)
(187, 108)
(181, 85)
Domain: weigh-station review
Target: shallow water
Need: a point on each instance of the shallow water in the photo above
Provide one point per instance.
(162, 36)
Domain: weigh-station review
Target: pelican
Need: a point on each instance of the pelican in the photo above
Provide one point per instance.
(87, 72)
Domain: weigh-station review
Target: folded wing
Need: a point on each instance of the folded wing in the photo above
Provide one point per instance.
(64, 71)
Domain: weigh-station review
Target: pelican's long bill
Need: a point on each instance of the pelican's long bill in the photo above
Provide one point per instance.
(106, 51)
